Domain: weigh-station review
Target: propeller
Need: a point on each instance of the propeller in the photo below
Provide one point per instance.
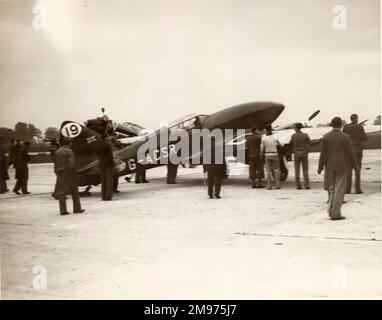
(291, 125)
(313, 115)
(363, 122)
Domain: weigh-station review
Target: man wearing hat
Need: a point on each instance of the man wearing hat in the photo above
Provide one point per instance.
(299, 143)
(337, 157)
(269, 150)
(67, 177)
(22, 171)
(357, 135)
(255, 163)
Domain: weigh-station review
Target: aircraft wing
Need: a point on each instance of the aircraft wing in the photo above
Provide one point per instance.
(373, 134)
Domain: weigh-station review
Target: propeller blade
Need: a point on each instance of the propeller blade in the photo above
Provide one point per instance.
(364, 121)
(313, 115)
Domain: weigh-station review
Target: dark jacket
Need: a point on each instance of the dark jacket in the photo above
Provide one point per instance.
(337, 152)
(3, 164)
(22, 164)
(14, 151)
(65, 169)
(357, 135)
(254, 145)
(105, 154)
(217, 166)
(300, 142)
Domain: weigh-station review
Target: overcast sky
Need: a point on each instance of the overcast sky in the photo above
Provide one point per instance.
(152, 60)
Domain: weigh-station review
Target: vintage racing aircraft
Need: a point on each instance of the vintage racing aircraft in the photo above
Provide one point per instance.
(86, 138)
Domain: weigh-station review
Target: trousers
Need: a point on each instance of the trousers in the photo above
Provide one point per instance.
(337, 185)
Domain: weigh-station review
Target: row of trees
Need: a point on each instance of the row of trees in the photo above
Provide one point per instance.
(28, 132)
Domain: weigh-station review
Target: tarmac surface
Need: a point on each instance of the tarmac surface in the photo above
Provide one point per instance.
(158, 241)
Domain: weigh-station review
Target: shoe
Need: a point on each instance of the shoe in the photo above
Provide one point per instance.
(211, 197)
(18, 193)
(348, 192)
(172, 182)
(145, 181)
(116, 191)
(299, 188)
(277, 188)
(269, 188)
(64, 213)
(359, 192)
(338, 218)
(307, 188)
(81, 211)
(254, 187)
(343, 201)
(26, 192)
(137, 182)
(261, 186)
(217, 197)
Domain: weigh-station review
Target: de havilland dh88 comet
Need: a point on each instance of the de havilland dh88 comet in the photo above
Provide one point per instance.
(129, 157)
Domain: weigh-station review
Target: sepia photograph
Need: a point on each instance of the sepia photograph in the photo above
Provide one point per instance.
(190, 150)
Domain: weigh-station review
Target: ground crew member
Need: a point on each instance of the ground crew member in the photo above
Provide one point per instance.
(12, 153)
(140, 176)
(299, 143)
(269, 145)
(106, 168)
(337, 157)
(357, 135)
(22, 172)
(255, 163)
(54, 146)
(172, 171)
(67, 177)
(216, 171)
(3, 168)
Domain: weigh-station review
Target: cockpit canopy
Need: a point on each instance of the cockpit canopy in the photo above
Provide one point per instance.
(188, 122)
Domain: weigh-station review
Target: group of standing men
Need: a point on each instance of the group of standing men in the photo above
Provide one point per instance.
(18, 158)
(341, 153)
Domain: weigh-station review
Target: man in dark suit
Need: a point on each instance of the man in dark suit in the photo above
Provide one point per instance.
(22, 171)
(216, 171)
(357, 135)
(140, 176)
(14, 151)
(337, 157)
(172, 171)
(3, 168)
(106, 167)
(67, 177)
(255, 163)
(299, 143)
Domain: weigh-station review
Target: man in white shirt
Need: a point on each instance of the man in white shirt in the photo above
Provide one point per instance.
(109, 122)
(271, 158)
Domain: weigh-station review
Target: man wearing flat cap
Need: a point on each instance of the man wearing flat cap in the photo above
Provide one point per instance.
(337, 157)
(357, 135)
(299, 143)
(67, 177)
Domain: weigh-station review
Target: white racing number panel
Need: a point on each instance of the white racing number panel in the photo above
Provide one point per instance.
(71, 130)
